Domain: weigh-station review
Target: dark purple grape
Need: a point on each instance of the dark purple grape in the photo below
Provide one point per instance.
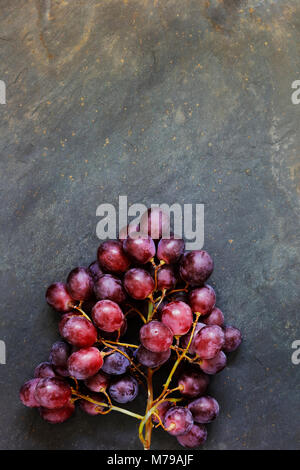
(85, 363)
(233, 338)
(92, 408)
(59, 354)
(184, 340)
(202, 299)
(107, 315)
(79, 332)
(216, 317)
(161, 410)
(80, 284)
(124, 389)
(62, 371)
(178, 317)
(204, 409)
(97, 383)
(214, 365)
(194, 438)
(156, 223)
(196, 267)
(166, 278)
(139, 247)
(156, 336)
(209, 341)
(112, 257)
(152, 359)
(59, 298)
(193, 384)
(170, 249)
(95, 270)
(44, 369)
(53, 392)
(111, 288)
(138, 283)
(27, 393)
(178, 420)
(116, 363)
(59, 415)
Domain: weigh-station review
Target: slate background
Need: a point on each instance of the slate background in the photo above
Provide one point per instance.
(170, 101)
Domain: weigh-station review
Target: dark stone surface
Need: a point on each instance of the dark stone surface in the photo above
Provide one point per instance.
(170, 101)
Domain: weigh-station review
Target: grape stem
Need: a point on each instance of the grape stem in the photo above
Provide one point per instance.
(125, 355)
(82, 312)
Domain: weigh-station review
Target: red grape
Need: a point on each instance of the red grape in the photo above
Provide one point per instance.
(124, 389)
(170, 249)
(80, 284)
(85, 363)
(216, 317)
(204, 409)
(155, 222)
(109, 287)
(59, 298)
(91, 408)
(202, 299)
(178, 316)
(59, 354)
(138, 283)
(214, 365)
(116, 363)
(184, 340)
(233, 338)
(194, 438)
(152, 359)
(139, 247)
(125, 231)
(27, 393)
(53, 392)
(95, 270)
(209, 341)
(98, 382)
(79, 331)
(196, 267)
(44, 369)
(156, 336)
(58, 415)
(166, 278)
(178, 420)
(107, 315)
(161, 410)
(65, 317)
(112, 258)
(194, 384)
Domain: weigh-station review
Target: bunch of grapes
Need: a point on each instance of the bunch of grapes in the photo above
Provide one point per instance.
(146, 279)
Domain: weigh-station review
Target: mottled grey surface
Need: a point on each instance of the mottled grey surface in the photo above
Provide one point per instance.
(163, 101)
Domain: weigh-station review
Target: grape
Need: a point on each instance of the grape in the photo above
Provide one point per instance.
(27, 393)
(112, 258)
(178, 420)
(194, 384)
(209, 341)
(202, 299)
(91, 408)
(152, 359)
(62, 371)
(44, 369)
(214, 365)
(178, 316)
(233, 338)
(155, 222)
(138, 283)
(194, 438)
(59, 298)
(184, 341)
(59, 354)
(156, 336)
(65, 317)
(80, 284)
(125, 231)
(95, 270)
(161, 410)
(116, 363)
(204, 409)
(59, 415)
(107, 315)
(170, 249)
(196, 267)
(79, 331)
(166, 278)
(53, 392)
(85, 363)
(109, 287)
(180, 296)
(216, 317)
(115, 334)
(139, 247)
(98, 382)
(124, 389)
